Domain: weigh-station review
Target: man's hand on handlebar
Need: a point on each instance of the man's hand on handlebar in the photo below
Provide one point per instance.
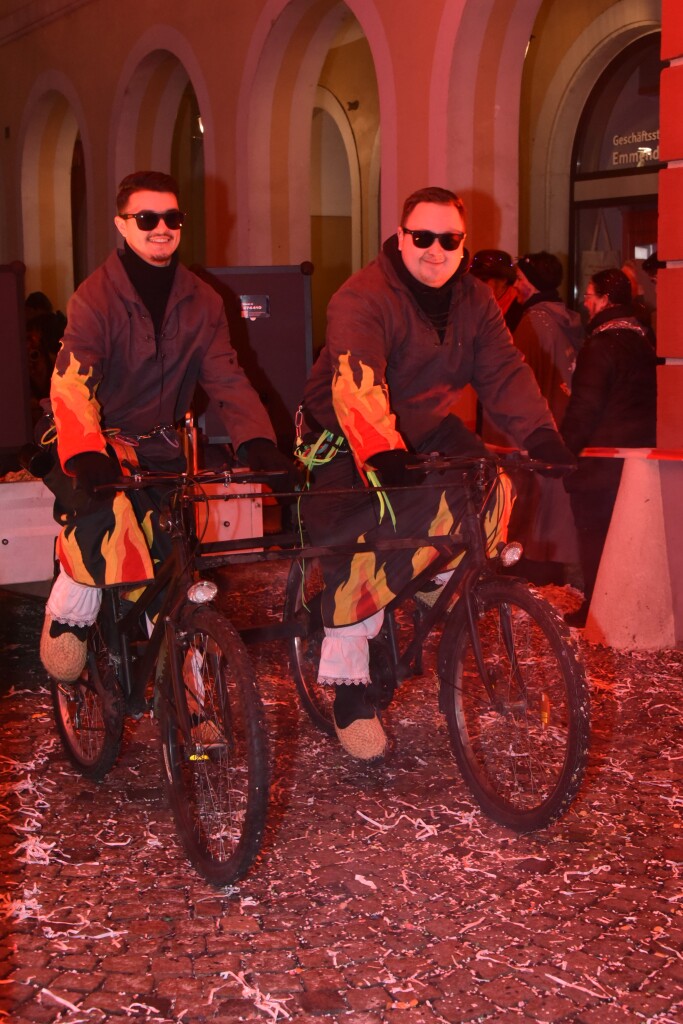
(261, 455)
(94, 470)
(546, 445)
(395, 468)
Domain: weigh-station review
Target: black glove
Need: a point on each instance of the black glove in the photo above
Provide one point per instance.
(262, 455)
(392, 468)
(94, 469)
(546, 445)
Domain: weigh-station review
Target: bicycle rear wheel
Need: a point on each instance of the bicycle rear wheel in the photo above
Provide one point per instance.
(216, 781)
(522, 748)
(89, 724)
(302, 607)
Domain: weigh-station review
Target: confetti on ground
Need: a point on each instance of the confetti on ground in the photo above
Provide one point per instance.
(382, 895)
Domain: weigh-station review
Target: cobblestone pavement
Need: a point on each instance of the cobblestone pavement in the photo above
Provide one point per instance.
(382, 896)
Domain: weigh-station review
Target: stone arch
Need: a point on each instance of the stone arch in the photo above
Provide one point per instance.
(555, 132)
(152, 84)
(330, 105)
(474, 123)
(275, 105)
(52, 120)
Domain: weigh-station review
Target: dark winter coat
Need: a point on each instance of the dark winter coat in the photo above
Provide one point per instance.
(614, 396)
(386, 378)
(112, 372)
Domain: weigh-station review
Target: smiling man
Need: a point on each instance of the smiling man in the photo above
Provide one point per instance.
(405, 336)
(142, 331)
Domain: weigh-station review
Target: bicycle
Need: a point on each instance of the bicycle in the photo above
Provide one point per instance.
(211, 721)
(511, 686)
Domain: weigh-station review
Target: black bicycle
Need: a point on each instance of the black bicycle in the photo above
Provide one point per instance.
(511, 685)
(211, 722)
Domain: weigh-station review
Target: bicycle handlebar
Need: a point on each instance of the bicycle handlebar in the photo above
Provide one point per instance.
(153, 478)
(505, 458)
(434, 461)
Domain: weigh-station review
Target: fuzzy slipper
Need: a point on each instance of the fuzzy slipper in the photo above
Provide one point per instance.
(63, 656)
(364, 739)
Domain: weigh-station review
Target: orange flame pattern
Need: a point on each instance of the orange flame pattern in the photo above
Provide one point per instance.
(363, 410)
(76, 411)
(366, 589)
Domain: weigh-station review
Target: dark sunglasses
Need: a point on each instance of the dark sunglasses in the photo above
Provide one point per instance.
(147, 220)
(448, 240)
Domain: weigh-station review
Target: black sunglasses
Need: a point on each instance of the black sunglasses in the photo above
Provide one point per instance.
(448, 240)
(147, 220)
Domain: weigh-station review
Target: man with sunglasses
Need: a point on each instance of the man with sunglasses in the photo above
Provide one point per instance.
(142, 331)
(405, 336)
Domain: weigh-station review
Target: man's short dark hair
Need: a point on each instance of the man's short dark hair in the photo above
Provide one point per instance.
(432, 194)
(144, 181)
(614, 284)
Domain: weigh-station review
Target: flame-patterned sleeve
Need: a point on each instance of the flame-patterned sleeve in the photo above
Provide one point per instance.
(359, 341)
(73, 392)
(363, 410)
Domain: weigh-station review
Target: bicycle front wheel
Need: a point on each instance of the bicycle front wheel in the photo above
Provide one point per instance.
(520, 735)
(302, 608)
(216, 779)
(89, 712)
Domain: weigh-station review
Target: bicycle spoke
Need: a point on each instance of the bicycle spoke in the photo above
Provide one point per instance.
(217, 776)
(523, 749)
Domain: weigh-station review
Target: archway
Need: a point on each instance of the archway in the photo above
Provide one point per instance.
(287, 63)
(160, 125)
(46, 182)
(615, 180)
(555, 107)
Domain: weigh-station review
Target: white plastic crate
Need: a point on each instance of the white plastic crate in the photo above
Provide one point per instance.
(27, 532)
(230, 518)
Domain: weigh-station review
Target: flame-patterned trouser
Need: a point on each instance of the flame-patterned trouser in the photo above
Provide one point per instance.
(358, 586)
(107, 542)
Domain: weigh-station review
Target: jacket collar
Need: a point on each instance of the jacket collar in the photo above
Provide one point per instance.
(613, 317)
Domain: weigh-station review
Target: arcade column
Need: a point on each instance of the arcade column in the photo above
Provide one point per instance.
(669, 291)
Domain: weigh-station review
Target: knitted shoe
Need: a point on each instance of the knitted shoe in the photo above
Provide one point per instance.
(364, 739)
(430, 595)
(63, 656)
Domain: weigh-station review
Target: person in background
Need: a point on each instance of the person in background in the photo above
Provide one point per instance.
(613, 404)
(405, 336)
(549, 336)
(651, 267)
(37, 304)
(495, 268)
(643, 292)
(43, 335)
(142, 332)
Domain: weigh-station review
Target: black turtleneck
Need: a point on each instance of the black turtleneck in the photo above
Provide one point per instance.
(153, 284)
(435, 303)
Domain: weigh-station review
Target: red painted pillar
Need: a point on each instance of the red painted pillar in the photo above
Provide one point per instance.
(670, 242)
(670, 297)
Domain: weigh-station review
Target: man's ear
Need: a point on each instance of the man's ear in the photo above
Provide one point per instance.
(121, 225)
(401, 236)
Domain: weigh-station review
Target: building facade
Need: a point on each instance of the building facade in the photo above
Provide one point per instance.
(296, 128)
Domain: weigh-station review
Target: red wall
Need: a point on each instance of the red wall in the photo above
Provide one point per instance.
(670, 241)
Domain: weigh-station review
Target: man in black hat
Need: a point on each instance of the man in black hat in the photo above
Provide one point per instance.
(549, 336)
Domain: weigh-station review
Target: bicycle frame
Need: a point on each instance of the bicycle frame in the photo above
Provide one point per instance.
(471, 543)
(171, 582)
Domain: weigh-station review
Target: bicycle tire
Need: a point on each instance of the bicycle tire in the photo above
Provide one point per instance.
(522, 754)
(90, 727)
(302, 606)
(217, 785)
